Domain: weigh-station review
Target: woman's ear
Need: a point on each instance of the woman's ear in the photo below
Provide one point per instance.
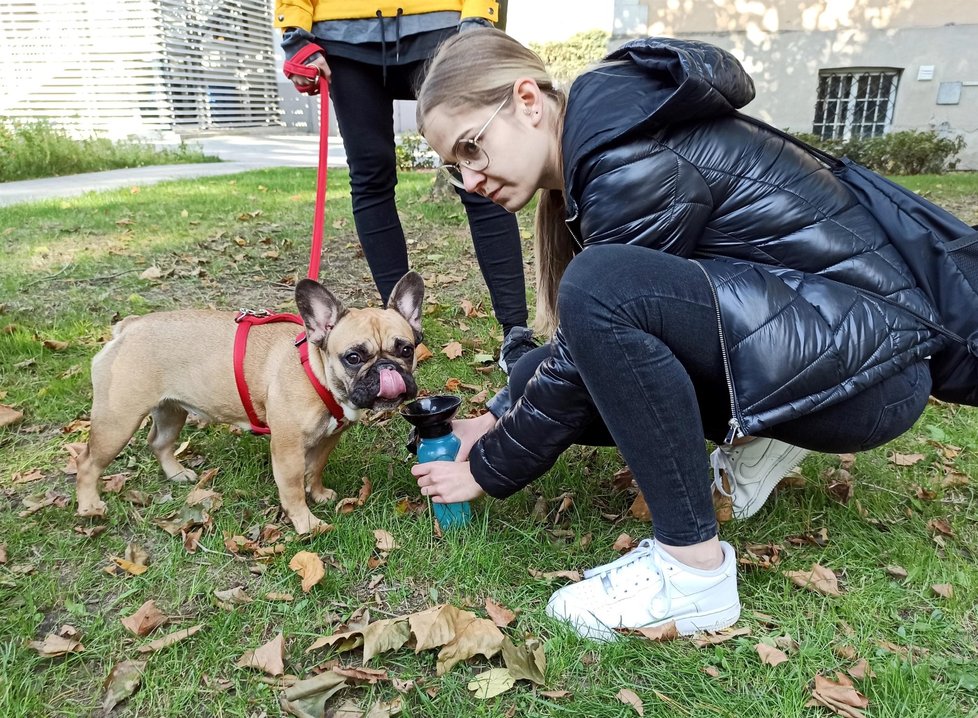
(529, 99)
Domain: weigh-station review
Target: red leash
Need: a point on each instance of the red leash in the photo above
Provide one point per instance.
(292, 67)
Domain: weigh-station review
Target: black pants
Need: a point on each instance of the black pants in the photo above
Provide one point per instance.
(642, 329)
(364, 103)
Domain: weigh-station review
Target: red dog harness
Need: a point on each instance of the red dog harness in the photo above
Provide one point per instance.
(245, 320)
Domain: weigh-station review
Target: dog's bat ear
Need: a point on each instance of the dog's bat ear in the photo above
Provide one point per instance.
(319, 310)
(406, 299)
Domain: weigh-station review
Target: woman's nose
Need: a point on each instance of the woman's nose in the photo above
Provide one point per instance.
(471, 179)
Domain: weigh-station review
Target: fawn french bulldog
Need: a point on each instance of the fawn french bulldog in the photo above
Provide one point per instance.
(170, 363)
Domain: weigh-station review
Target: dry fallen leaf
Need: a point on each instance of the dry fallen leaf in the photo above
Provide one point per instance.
(897, 571)
(640, 509)
(269, 658)
(461, 635)
(712, 638)
(9, 415)
(145, 619)
(624, 543)
(122, 682)
(665, 632)
(574, 576)
(944, 590)
(307, 698)
(491, 683)
(527, 662)
(310, 567)
(906, 459)
(629, 698)
(839, 697)
(169, 639)
(453, 350)
(27, 476)
(233, 596)
(861, 670)
(770, 655)
(422, 353)
(54, 645)
(499, 614)
(818, 579)
(385, 542)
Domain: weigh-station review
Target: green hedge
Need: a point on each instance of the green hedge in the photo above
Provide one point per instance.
(909, 152)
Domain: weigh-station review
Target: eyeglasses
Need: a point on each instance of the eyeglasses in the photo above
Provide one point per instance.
(470, 153)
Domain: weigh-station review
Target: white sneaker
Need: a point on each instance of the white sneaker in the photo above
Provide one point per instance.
(753, 470)
(647, 588)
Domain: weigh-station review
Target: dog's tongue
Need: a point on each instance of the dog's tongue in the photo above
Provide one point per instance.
(391, 384)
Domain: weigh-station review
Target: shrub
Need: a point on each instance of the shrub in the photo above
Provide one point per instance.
(909, 152)
(413, 153)
(38, 149)
(567, 59)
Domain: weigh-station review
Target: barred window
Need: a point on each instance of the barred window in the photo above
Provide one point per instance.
(855, 103)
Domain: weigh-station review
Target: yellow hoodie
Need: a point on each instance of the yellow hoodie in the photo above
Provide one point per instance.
(303, 13)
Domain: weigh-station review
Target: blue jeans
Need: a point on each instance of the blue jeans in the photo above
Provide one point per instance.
(363, 101)
(641, 327)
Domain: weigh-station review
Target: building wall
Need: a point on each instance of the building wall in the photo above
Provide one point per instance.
(138, 67)
(783, 45)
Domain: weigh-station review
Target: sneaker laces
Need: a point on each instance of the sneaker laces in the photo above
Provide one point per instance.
(644, 548)
(720, 461)
(608, 573)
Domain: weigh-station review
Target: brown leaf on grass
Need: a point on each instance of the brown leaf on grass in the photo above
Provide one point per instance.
(55, 345)
(207, 498)
(665, 632)
(74, 450)
(3, 553)
(461, 635)
(232, 597)
(722, 504)
(574, 576)
(629, 698)
(763, 556)
(145, 619)
(122, 682)
(897, 571)
(940, 526)
(847, 461)
(453, 350)
(819, 579)
(269, 658)
(861, 670)
(191, 539)
(385, 542)
(624, 543)
(818, 538)
(838, 696)
(711, 671)
(491, 683)
(361, 675)
(344, 641)
(499, 614)
(169, 639)
(27, 477)
(839, 485)
(307, 698)
(712, 638)
(422, 353)
(348, 505)
(470, 309)
(639, 509)
(274, 596)
(136, 569)
(37, 502)
(556, 695)
(114, 483)
(906, 459)
(770, 655)
(944, 590)
(55, 645)
(309, 567)
(527, 662)
(382, 636)
(9, 415)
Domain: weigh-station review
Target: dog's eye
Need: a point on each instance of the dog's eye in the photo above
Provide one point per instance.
(407, 351)
(353, 359)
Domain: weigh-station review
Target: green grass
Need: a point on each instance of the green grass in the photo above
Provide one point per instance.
(70, 268)
(38, 149)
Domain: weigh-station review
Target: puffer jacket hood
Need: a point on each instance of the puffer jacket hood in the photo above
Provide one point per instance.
(661, 82)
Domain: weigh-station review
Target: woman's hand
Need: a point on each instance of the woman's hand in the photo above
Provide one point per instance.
(318, 62)
(470, 431)
(447, 482)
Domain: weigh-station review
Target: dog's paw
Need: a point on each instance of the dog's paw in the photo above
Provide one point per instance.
(184, 476)
(94, 509)
(309, 525)
(322, 495)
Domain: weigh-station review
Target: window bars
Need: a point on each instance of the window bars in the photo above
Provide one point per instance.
(855, 103)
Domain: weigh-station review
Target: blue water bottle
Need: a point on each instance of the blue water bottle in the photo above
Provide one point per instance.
(432, 419)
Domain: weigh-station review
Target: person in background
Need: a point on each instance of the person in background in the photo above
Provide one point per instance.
(372, 54)
(701, 276)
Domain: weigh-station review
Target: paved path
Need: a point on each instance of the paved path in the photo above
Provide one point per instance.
(240, 152)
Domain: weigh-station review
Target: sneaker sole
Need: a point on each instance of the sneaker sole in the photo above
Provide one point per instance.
(712, 621)
(786, 463)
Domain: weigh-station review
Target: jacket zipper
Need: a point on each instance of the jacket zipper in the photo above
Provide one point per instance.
(736, 429)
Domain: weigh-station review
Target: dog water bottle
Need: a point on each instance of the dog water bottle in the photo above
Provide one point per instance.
(432, 418)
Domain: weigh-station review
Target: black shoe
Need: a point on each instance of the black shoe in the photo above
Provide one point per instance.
(518, 341)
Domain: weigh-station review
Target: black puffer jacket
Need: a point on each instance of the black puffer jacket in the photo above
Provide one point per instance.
(654, 156)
